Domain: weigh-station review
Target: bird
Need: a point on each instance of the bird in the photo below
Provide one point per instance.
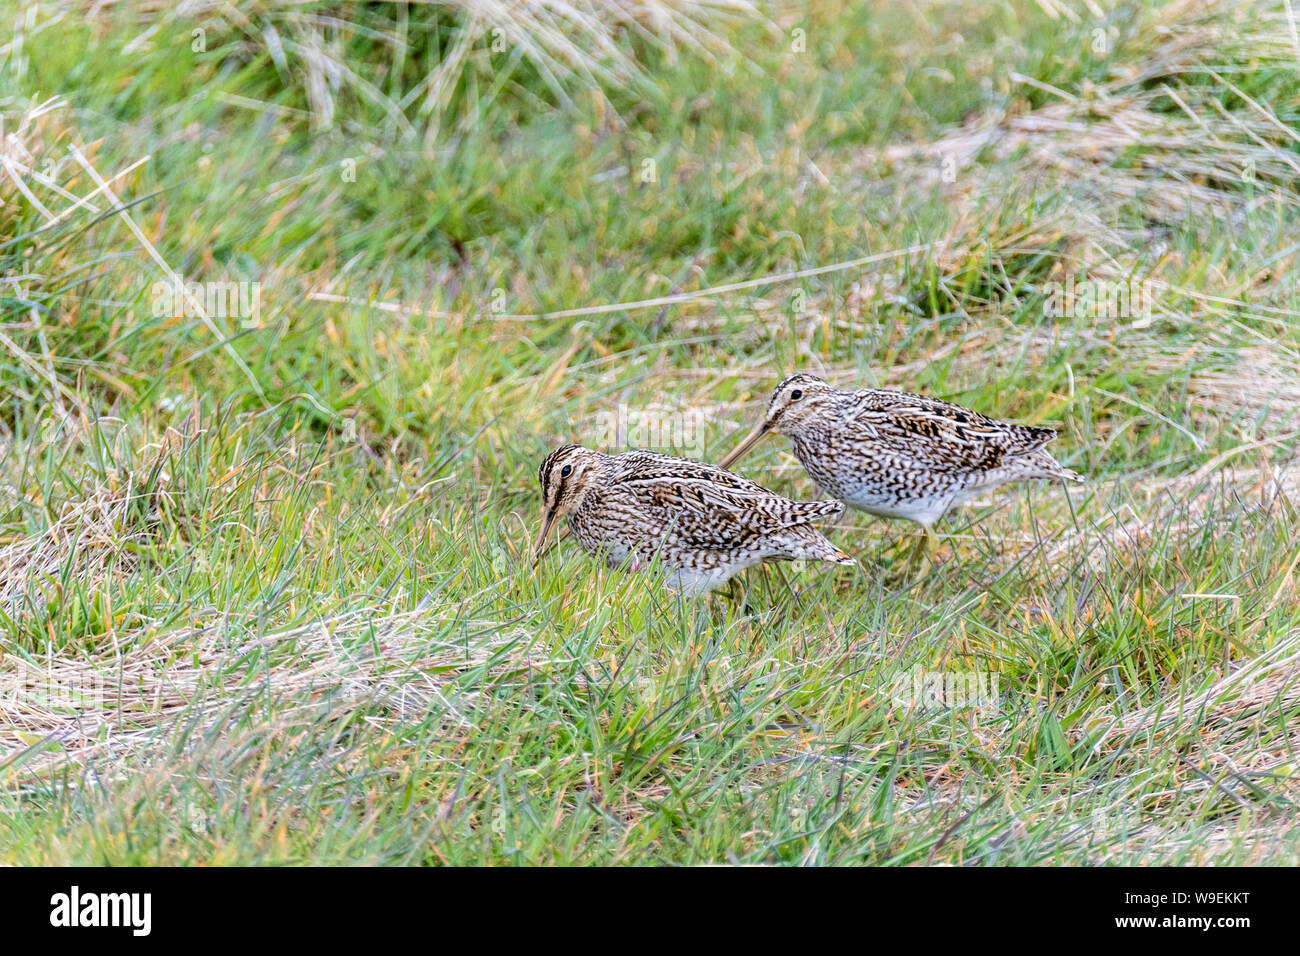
(898, 455)
(702, 523)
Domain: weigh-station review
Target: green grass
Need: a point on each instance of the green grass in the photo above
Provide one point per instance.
(263, 592)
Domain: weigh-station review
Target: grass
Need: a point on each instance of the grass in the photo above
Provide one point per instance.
(263, 596)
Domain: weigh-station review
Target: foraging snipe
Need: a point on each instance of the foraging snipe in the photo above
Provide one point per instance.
(899, 455)
(704, 523)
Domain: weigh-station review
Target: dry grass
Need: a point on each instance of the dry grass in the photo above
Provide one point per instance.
(572, 45)
(58, 711)
(326, 639)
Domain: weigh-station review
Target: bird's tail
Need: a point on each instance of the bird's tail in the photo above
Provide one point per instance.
(815, 547)
(1045, 466)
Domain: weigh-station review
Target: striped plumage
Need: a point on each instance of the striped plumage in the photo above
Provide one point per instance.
(900, 455)
(704, 524)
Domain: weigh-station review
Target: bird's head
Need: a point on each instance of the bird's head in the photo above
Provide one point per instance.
(567, 475)
(796, 402)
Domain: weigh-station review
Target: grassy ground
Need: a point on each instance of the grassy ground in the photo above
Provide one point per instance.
(263, 595)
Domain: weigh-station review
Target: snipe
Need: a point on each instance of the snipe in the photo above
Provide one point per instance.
(899, 455)
(703, 523)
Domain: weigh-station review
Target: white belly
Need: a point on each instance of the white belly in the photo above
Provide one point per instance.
(925, 510)
(691, 582)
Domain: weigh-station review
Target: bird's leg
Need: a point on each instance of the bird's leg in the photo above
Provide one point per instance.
(931, 543)
(720, 593)
(742, 602)
(925, 550)
(730, 593)
(788, 586)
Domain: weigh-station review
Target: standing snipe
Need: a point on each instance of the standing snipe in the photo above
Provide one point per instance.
(899, 455)
(704, 523)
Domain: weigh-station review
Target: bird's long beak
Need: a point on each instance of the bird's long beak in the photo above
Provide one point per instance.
(540, 544)
(750, 441)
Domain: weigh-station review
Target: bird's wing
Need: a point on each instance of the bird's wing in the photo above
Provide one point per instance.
(943, 435)
(710, 507)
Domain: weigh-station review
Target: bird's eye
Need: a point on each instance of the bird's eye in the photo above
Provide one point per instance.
(796, 395)
(566, 471)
